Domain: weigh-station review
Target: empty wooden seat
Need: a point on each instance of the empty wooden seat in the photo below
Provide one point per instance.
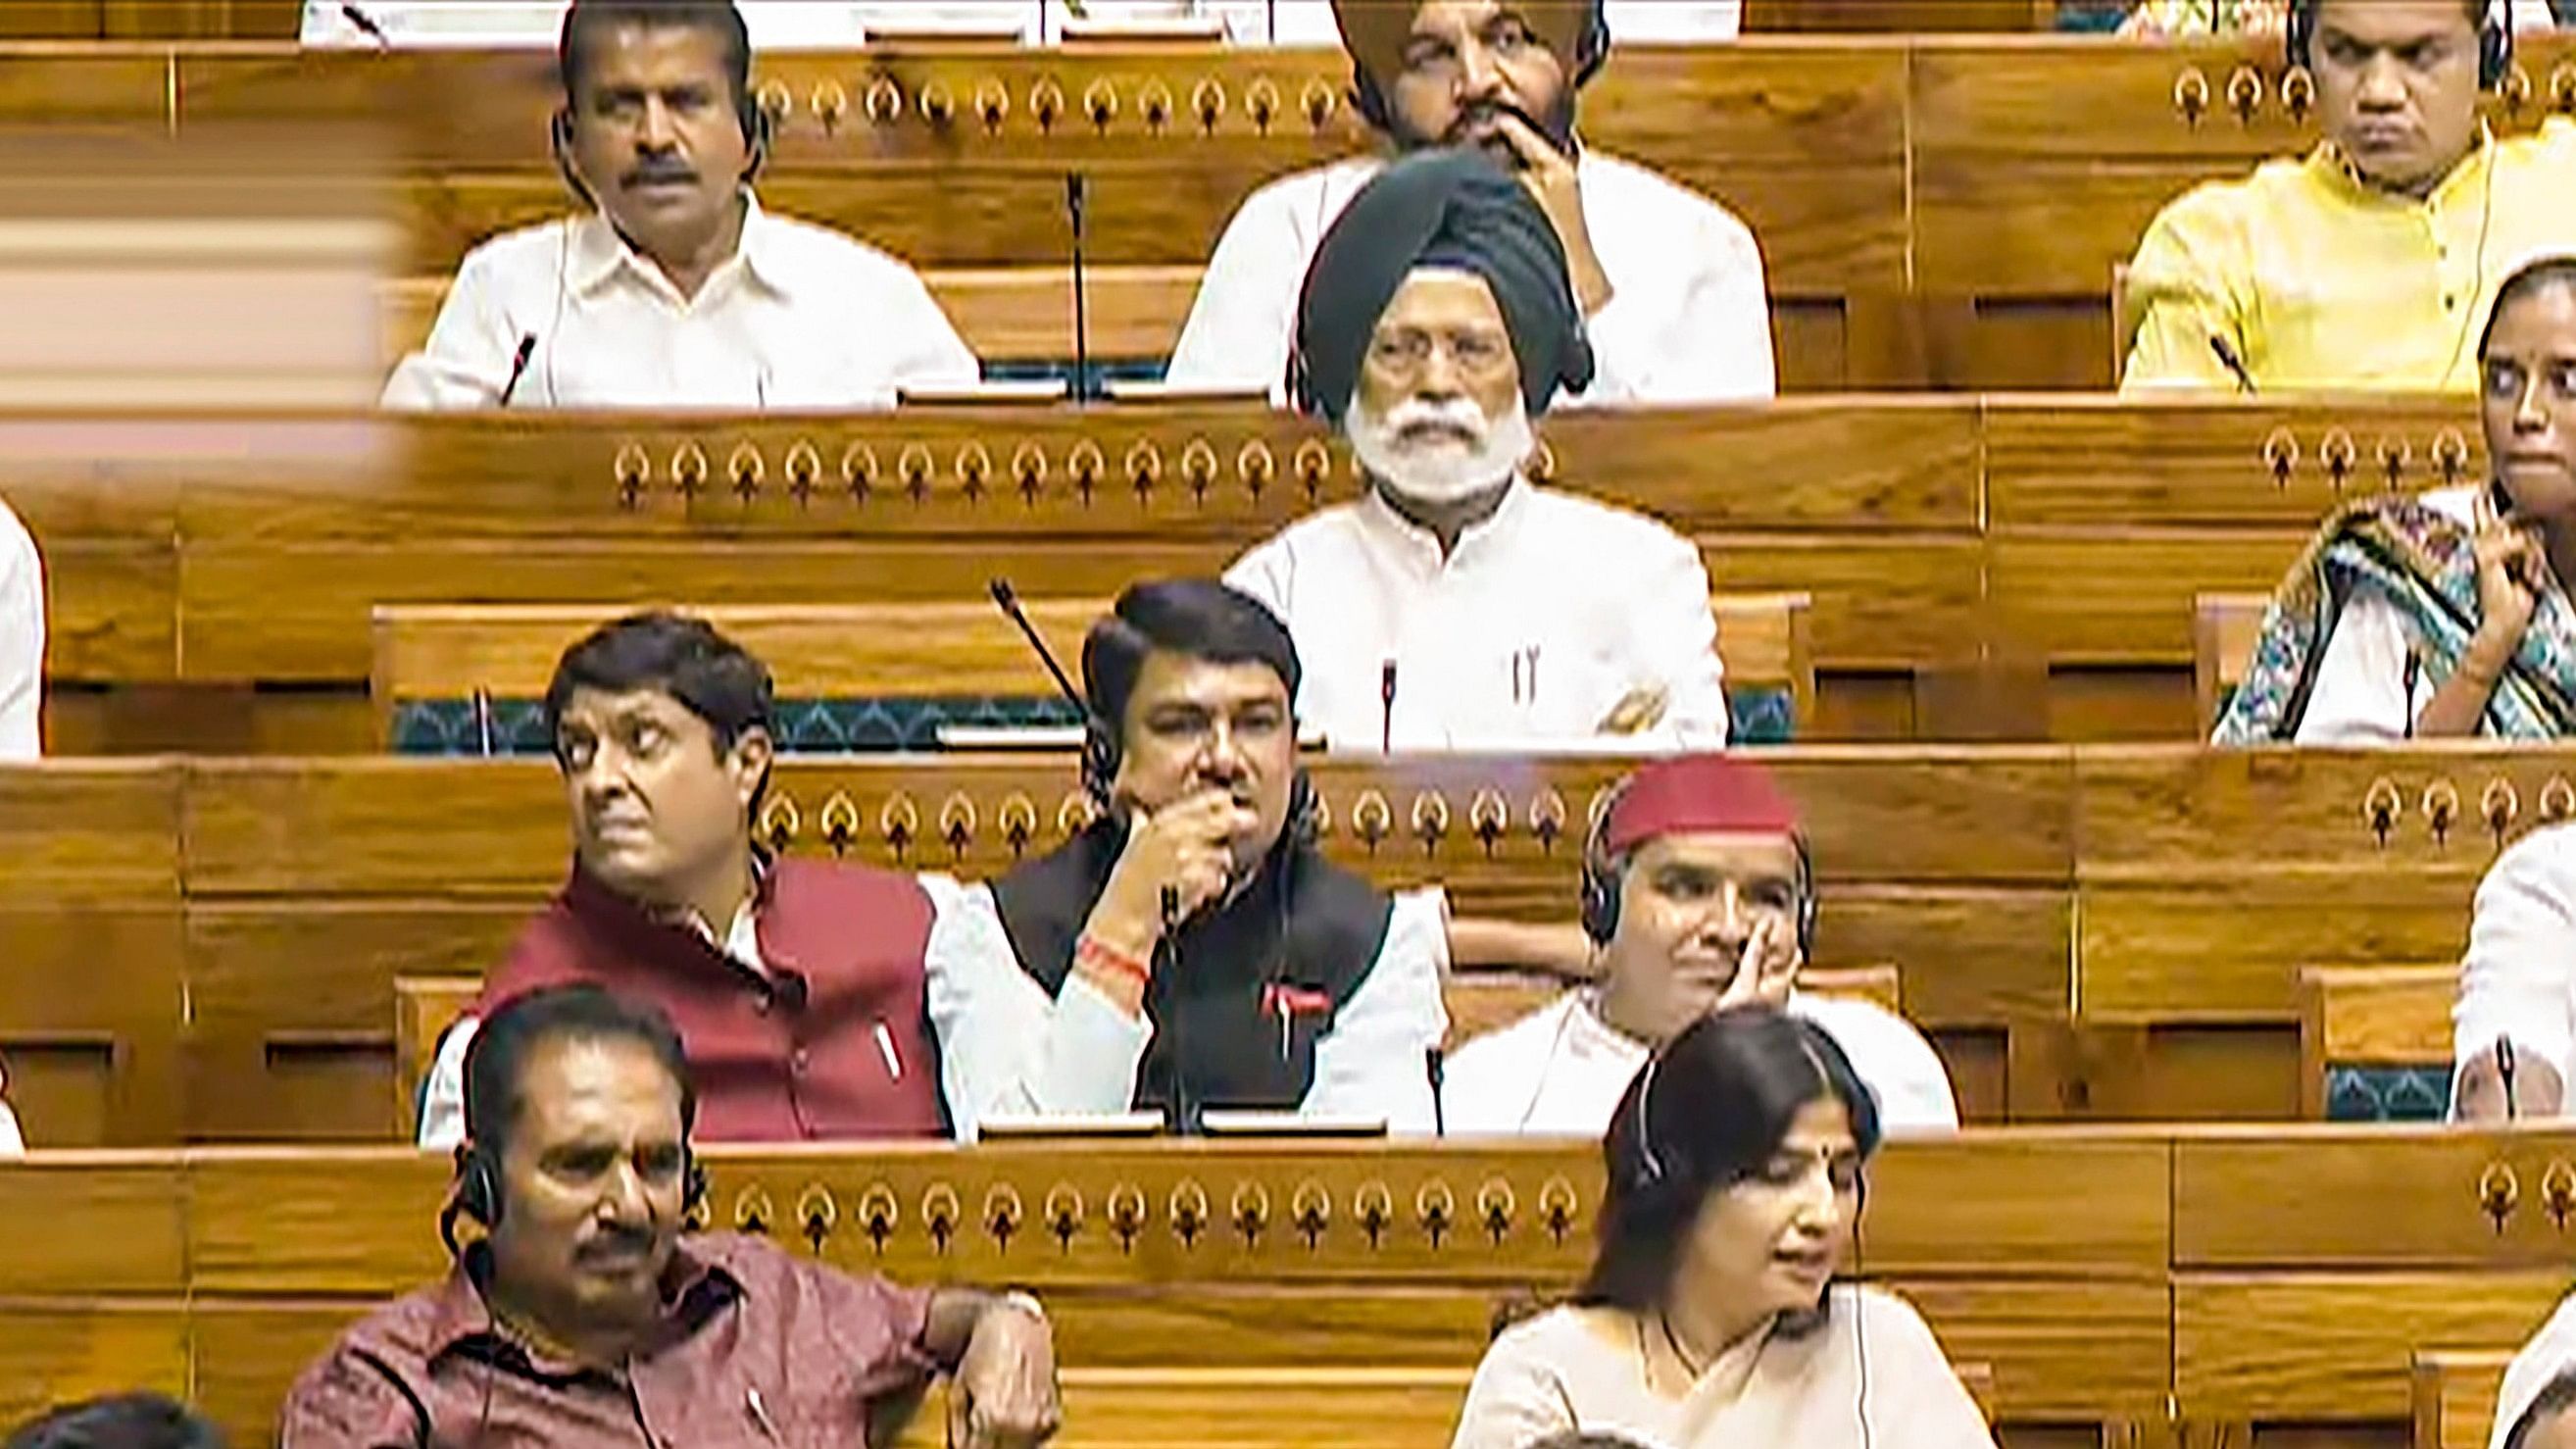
(2455, 1396)
(2224, 630)
(2375, 1041)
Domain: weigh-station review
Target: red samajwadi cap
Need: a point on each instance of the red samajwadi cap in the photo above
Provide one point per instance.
(1690, 794)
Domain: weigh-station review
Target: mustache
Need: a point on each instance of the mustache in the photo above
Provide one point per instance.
(1451, 415)
(1481, 114)
(611, 1243)
(651, 172)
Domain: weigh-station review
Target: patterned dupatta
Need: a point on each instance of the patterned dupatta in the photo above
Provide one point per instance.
(2422, 561)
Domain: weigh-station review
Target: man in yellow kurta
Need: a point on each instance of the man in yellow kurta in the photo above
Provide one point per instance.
(2370, 262)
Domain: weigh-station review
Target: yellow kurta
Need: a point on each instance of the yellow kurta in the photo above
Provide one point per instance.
(2318, 281)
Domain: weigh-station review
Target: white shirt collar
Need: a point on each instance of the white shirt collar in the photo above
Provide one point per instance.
(600, 256)
(1380, 517)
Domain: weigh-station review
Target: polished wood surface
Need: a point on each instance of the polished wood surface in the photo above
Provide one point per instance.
(2279, 1276)
(2455, 1397)
(2372, 1016)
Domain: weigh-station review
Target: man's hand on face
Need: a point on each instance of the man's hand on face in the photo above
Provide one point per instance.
(1765, 970)
(1549, 175)
(1187, 846)
(1005, 1394)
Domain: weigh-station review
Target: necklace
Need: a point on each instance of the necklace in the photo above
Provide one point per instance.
(1673, 1341)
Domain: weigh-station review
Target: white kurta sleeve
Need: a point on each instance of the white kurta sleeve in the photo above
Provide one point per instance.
(1240, 326)
(1715, 348)
(1005, 1046)
(1675, 637)
(466, 362)
(1376, 1060)
(931, 354)
(1903, 1072)
(12, 1144)
(22, 642)
(2515, 980)
(2360, 692)
(2551, 1352)
(442, 1097)
(1518, 1397)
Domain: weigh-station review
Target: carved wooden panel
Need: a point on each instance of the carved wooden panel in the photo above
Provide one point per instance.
(2337, 1347)
(2411, 1198)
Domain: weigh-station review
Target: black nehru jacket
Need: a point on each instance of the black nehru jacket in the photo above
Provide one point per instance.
(1455, 209)
(1302, 923)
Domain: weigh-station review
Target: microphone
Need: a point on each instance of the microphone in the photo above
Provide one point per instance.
(1435, 1064)
(2228, 359)
(1386, 708)
(1008, 600)
(519, 365)
(1168, 946)
(367, 23)
(2505, 1069)
(790, 990)
(1077, 209)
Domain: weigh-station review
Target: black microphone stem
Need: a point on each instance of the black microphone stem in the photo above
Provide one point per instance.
(1168, 947)
(1077, 190)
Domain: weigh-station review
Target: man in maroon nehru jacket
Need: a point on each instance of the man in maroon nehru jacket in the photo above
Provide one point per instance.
(796, 984)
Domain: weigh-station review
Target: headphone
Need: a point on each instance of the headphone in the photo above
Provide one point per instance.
(2495, 40)
(1601, 876)
(478, 1192)
(1591, 52)
(747, 113)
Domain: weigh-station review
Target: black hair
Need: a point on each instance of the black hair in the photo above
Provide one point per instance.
(1707, 1112)
(714, 678)
(496, 1064)
(2528, 280)
(587, 19)
(2556, 1397)
(1200, 618)
(120, 1421)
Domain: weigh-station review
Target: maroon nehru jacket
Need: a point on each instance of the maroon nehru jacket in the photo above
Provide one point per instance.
(754, 1348)
(832, 1043)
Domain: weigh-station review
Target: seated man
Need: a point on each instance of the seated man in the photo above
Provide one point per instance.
(1699, 896)
(581, 1317)
(22, 642)
(1456, 605)
(796, 983)
(1191, 948)
(1670, 282)
(678, 291)
(2515, 1024)
(2371, 262)
(1312, 22)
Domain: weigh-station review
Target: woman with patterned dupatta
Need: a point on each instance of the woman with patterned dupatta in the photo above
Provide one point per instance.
(2443, 615)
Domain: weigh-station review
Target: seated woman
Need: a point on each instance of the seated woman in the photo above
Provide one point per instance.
(1712, 1316)
(2443, 614)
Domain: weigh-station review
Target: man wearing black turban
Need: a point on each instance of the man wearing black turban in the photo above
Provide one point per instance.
(1457, 605)
(1670, 285)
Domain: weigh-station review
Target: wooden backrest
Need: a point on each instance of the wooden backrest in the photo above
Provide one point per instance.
(886, 649)
(2381, 1016)
(2124, 322)
(424, 1008)
(2454, 1396)
(2224, 628)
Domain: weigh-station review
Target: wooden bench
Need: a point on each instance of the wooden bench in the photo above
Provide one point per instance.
(941, 649)
(2224, 631)
(1932, 536)
(2455, 1393)
(2372, 1017)
(2219, 1281)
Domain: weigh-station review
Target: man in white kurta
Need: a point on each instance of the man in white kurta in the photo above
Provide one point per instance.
(11, 1143)
(2536, 1370)
(676, 290)
(22, 641)
(1457, 605)
(1703, 858)
(1671, 282)
(2518, 982)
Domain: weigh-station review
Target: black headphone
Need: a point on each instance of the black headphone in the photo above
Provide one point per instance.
(1591, 52)
(2495, 40)
(1600, 900)
(478, 1192)
(748, 113)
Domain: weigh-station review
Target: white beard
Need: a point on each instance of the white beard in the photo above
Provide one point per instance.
(1439, 468)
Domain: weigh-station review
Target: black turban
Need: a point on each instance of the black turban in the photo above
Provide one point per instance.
(1450, 209)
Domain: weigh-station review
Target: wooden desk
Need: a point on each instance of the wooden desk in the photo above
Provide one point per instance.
(2265, 1278)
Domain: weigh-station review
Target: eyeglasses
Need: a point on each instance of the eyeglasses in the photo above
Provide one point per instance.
(1405, 351)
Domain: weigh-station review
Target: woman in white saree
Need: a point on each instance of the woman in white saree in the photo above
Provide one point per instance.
(1711, 1318)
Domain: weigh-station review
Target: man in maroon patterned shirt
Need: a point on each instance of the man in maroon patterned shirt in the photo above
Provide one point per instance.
(583, 1319)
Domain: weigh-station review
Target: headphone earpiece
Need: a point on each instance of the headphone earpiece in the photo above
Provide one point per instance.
(559, 144)
(1100, 755)
(757, 134)
(1305, 813)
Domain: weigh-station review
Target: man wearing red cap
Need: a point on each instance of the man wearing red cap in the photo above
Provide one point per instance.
(1698, 897)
